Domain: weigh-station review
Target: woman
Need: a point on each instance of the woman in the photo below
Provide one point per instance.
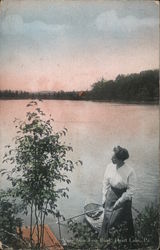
(118, 189)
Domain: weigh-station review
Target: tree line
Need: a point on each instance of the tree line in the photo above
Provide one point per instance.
(129, 88)
(60, 95)
(137, 87)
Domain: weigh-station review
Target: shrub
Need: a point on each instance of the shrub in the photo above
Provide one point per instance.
(146, 234)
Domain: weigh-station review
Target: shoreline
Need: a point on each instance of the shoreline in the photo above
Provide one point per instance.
(87, 100)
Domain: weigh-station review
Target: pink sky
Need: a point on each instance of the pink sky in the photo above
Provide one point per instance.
(52, 45)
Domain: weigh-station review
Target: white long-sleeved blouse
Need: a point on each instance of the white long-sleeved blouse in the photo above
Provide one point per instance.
(123, 177)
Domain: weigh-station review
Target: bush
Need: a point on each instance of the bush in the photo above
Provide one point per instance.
(8, 219)
(146, 226)
(146, 234)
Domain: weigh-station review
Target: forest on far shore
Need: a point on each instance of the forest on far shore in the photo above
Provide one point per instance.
(140, 87)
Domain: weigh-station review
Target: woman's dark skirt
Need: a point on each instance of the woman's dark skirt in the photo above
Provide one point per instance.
(114, 218)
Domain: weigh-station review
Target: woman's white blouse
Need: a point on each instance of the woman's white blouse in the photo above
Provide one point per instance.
(123, 177)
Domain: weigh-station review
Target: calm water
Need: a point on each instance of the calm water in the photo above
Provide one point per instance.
(93, 129)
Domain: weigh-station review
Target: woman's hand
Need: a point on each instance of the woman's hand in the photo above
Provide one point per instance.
(117, 205)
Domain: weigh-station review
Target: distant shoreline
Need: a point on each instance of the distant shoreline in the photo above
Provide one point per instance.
(156, 102)
(138, 88)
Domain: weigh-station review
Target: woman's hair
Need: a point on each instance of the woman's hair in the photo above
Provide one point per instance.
(121, 153)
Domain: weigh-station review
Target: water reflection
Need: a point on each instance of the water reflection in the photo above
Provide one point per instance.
(93, 129)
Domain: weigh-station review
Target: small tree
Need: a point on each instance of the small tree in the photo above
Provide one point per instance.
(40, 163)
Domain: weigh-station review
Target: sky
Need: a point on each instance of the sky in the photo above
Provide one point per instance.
(68, 45)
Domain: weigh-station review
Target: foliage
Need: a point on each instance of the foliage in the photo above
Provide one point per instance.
(140, 87)
(8, 218)
(39, 164)
(84, 237)
(147, 226)
(60, 95)
(133, 87)
(146, 234)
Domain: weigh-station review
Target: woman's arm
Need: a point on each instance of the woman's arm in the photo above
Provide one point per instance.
(131, 187)
(106, 185)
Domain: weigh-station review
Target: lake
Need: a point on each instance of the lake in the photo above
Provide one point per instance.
(94, 128)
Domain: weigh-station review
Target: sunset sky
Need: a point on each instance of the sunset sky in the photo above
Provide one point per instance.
(70, 44)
